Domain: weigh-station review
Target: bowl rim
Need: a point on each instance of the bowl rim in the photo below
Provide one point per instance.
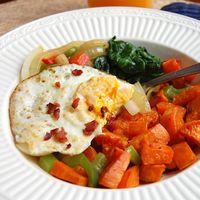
(18, 33)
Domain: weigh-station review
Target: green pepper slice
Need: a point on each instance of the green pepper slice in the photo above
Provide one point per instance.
(100, 162)
(93, 169)
(83, 161)
(135, 157)
(70, 52)
(170, 91)
(47, 162)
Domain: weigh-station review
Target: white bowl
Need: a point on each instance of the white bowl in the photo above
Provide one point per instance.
(165, 35)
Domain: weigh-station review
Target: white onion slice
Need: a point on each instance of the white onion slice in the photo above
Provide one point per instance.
(25, 70)
(140, 98)
(62, 59)
(151, 90)
(131, 107)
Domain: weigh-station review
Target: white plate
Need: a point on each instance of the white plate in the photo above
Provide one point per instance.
(161, 32)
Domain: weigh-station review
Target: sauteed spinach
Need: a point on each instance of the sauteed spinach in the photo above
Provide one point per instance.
(129, 62)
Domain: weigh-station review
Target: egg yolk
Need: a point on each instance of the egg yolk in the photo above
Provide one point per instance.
(105, 91)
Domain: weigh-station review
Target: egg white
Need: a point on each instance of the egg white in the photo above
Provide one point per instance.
(28, 111)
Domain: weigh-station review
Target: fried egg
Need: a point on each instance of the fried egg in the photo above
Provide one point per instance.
(58, 99)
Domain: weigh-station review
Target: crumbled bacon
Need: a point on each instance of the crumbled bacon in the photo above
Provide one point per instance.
(56, 114)
(47, 136)
(77, 72)
(57, 84)
(54, 110)
(68, 146)
(104, 109)
(75, 103)
(51, 107)
(91, 108)
(110, 120)
(90, 127)
(59, 135)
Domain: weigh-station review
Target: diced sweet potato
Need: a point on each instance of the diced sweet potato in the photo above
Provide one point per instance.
(183, 155)
(108, 151)
(111, 139)
(171, 166)
(151, 173)
(171, 65)
(124, 114)
(187, 95)
(163, 106)
(132, 126)
(130, 178)
(172, 120)
(191, 131)
(157, 98)
(156, 154)
(193, 110)
(136, 127)
(179, 83)
(90, 153)
(80, 170)
(113, 173)
(157, 134)
(152, 118)
(137, 141)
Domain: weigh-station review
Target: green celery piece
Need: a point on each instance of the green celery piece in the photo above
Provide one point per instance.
(83, 161)
(90, 170)
(70, 52)
(72, 161)
(135, 157)
(170, 91)
(47, 162)
(100, 162)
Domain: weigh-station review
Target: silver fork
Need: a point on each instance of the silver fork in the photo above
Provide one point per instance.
(194, 69)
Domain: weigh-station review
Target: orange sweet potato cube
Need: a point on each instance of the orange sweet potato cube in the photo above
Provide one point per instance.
(191, 130)
(183, 155)
(156, 154)
(151, 173)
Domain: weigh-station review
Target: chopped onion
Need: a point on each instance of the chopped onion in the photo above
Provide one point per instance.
(25, 70)
(61, 59)
(140, 98)
(35, 66)
(131, 107)
(149, 91)
(93, 48)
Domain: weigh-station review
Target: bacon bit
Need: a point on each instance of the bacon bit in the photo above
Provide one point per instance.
(104, 109)
(54, 131)
(91, 108)
(53, 109)
(75, 103)
(68, 146)
(90, 127)
(57, 84)
(59, 135)
(56, 114)
(110, 120)
(47, 136)
(77, 72)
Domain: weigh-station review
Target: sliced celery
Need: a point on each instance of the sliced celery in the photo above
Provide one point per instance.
(135, 157)
(47, 162)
